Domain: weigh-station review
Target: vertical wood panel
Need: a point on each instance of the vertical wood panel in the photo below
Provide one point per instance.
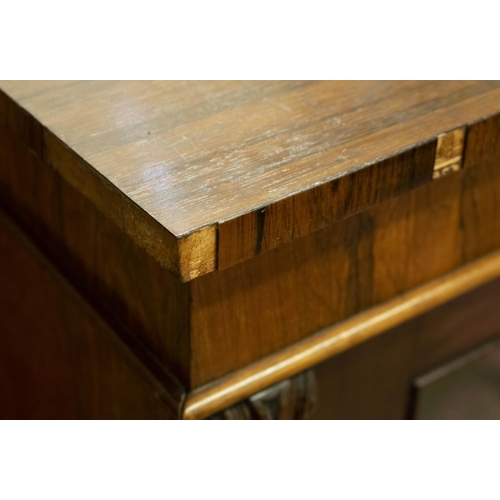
(107, 265)
(371, 381)
(58, 359)
(483, 142)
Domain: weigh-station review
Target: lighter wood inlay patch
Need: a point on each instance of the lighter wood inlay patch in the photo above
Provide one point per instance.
(197, 253)
(449, 153)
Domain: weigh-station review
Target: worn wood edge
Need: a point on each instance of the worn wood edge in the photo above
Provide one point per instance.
(340, 337)
(198, 253)
(251, 224)
(169, 390)
(186, 256)
(450, 151)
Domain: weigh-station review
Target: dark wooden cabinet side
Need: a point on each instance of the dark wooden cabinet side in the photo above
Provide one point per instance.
(375, 379)
(58, 358)
(96, 255)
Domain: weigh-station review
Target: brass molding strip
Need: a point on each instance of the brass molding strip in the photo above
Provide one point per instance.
(302, 355)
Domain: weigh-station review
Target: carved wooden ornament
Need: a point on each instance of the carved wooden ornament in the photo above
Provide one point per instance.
(291, 399)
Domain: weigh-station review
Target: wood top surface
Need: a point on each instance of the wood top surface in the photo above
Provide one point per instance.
(195, 160)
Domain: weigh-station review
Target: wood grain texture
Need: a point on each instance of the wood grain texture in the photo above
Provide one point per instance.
(164, 160)
(117, 276)
(283, 221)
(483, 142)
(375, 380)
(257, 307)
(358, 329)
(331, 195)
(58, 358)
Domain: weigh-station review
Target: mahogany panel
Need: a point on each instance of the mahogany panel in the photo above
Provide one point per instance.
(248, 311)
(58, 358)
(483, 142)
(457, 328)
(371, 381)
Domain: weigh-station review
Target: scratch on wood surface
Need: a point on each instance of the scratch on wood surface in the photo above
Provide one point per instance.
(190, 142)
